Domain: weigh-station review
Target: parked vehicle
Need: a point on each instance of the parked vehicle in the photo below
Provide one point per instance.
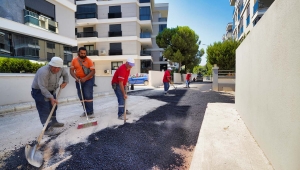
(199, 78)
(140, 79)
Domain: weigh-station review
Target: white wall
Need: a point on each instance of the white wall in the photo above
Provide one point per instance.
(267, 84)
(155, 78)
(16, 88)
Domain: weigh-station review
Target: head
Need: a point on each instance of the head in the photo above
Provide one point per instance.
(55, 64)
(82, 52)
(129, 63)
(169, 69)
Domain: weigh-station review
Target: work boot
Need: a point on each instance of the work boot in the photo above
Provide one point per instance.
(128, 112)
(51, 132)
(92, 115)
(55, 123)
(122, 117)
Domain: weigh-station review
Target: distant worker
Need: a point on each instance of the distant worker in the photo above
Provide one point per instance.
(119, 82)
(167, 80)
(44, 86)
(188, 79)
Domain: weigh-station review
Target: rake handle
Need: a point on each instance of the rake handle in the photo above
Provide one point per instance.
(87, 118)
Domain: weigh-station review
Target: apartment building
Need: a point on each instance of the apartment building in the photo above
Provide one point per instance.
(37, 29)
(246, 14)
(229, 31)
(115, 30)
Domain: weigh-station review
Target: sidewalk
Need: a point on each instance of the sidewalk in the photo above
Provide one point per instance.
(224, 142)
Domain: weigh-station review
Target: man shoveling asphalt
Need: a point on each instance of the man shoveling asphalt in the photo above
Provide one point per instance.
(44, 86)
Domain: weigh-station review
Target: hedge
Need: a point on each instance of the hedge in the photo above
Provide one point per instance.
(13, 65)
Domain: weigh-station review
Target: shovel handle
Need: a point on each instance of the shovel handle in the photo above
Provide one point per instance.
(48, 119)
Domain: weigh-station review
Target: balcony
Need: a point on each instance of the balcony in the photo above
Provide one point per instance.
(115, 52)
(92, 53)
(33, 19)
(145, 53)
(255, 7)
(145, 17)
(86, 15)
(162, 19)
(115, 15)
(87, 34)
(115, 34)
(145, 35)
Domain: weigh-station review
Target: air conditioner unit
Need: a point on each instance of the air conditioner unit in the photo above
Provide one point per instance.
(107, 71)
(102, 52)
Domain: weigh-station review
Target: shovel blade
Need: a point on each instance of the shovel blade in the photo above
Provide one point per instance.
(33, 156)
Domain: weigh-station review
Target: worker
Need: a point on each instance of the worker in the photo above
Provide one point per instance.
(167, 80)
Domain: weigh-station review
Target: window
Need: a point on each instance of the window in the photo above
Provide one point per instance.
(75, 31)
(144, 1)
(145, 13)
(115, 49)
(115, 9)
(50, 55)
(89, 47)
(115, 65)
(86, 11)
(50, 45)
(162, 27)
(68, 56)
(115, 30)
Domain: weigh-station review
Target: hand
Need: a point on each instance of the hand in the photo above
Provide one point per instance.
(53, 101)
(63, 85)
(83, 80)
(125, 96)
(77, 79)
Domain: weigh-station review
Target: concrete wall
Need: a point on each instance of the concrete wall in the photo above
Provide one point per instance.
(267, 84)
(155, 78)
(128, 10)
(16, 88)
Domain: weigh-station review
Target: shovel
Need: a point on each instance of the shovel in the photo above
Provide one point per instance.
(33, 156)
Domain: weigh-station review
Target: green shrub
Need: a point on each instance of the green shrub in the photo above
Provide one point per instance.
(13, 65)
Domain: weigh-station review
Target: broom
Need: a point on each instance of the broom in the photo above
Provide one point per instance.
(88, 123)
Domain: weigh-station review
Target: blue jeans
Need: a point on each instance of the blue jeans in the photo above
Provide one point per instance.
(121, 101)
(44, 107)
(187, 82)
(166, 86)
(87, 91)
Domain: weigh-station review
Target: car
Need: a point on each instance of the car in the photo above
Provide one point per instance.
(199, 78)
(140, 79)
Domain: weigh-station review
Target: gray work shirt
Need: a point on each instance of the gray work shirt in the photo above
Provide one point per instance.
(46, 81)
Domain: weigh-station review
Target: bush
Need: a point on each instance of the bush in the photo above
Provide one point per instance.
(12, 65)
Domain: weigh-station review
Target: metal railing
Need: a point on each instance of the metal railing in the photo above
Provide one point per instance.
(145, 53)
(226, 74)
(115, 52)
(92, 53)
(115, 34)
(162, 19)
(87, 34)
(86, 15)
(145, 35)
(115, 15)
(40, 21)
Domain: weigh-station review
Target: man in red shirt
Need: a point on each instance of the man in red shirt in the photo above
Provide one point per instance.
(119, 82)
(188, 79)
(86, 80)
(167, 80)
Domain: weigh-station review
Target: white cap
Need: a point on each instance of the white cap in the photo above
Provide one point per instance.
(169, 68)
(130, 61)
(56, 62)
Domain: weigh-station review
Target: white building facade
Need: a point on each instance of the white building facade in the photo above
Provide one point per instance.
(37, 29)
(115, 30)
(246, 14)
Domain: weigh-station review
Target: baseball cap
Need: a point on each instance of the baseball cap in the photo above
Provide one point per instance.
(169, 68)
(56, 62)
(130, 61)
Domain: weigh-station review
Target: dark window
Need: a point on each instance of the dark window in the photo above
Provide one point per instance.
(5, 44)
(88, 29)
(162, 27)
(115, 65)
(145, 13)
(114, 9)
(144, 1)
(115, 28)
(68, 55)
(89, 47)
(115, 49)
(86, 11)
(75, 31)
(50, 55)
(50, 45)
(41, 7)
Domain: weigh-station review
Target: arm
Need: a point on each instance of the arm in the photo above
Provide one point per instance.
(42, 83)
(91, 74)
(65, 78)
(73, 74)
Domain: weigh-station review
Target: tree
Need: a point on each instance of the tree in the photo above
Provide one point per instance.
(180, 45)
(222, 54)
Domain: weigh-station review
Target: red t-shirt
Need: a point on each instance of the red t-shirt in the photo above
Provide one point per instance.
(166, 75)
(121, 74)
(188, 76)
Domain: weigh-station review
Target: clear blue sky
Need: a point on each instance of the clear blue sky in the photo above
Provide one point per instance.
(208, 18)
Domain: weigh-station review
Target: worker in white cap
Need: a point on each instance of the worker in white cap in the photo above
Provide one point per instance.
(44, 86)
(119, 82)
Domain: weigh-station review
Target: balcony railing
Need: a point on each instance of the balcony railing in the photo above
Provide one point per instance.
(92, 53)
(115, 15)
(162, 19)
(40, 21)
(145, 53)
(145, 17)
(115, 52)
(86, 15)
(248, 20)
(241, 31)
(115, 34)
(87, 34)
(144, 1)
(255, 7)
(145, 35)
